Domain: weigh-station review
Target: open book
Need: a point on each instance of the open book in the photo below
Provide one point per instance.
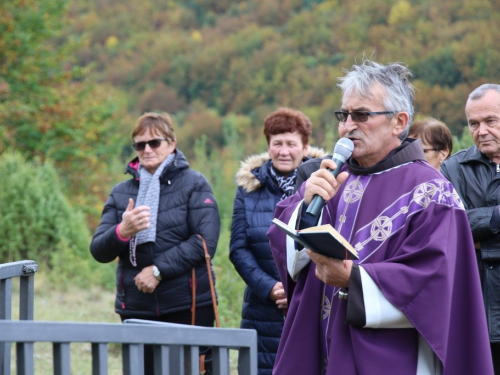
(323, 239)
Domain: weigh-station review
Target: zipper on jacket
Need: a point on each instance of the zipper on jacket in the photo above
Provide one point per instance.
(123, 290)
(498, 168)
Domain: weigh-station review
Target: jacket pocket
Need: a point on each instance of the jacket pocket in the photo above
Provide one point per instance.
(490, 249)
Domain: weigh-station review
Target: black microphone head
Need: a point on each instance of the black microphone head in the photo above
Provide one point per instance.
(343, 149)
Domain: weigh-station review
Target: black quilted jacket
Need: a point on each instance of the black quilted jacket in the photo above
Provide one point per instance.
(187, 207)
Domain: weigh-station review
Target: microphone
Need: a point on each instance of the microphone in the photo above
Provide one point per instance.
(342, 151)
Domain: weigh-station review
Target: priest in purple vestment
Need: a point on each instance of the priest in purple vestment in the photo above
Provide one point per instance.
(411, 304)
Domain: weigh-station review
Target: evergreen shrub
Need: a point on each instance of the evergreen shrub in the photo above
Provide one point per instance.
(37, 222)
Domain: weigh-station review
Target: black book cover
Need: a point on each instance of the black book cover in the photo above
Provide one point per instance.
(323, 239)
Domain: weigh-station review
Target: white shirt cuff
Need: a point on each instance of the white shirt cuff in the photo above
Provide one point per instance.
(380, 313)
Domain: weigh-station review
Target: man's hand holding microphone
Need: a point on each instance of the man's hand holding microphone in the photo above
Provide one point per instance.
(320, 188)
(324, 183)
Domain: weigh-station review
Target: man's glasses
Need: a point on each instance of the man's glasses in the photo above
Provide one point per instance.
(426, 150)
(153, 143)
(358, 116)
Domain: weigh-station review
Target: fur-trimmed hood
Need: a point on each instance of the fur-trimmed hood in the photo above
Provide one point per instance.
(247, 180)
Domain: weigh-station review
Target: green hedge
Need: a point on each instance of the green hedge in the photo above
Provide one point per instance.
(38, 222)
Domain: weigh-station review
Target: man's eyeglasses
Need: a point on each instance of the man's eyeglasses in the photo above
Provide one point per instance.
(358, 116)
(426, 150)
(153, 143)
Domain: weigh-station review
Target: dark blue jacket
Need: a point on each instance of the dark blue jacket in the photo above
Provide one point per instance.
(254, 205)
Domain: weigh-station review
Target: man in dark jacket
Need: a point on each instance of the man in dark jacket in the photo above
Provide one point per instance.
(475, 174)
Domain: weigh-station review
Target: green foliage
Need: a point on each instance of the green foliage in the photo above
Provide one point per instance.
(203, 59)
(34, 211)
(465, 141)
(39, 223)
(440, 69)
(45, 109)
(27, 58)
(230, 285)
(487, 63)
(30, 67)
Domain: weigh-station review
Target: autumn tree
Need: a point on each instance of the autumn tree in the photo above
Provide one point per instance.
(47, 109)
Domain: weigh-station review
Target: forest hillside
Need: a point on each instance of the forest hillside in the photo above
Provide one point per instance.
(76, 74)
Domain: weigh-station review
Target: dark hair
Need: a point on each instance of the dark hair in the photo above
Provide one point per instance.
(161, 123)
(288, 120)
(433, 132)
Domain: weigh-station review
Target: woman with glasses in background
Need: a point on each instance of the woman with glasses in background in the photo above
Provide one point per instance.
(436, 140)
(152, 223)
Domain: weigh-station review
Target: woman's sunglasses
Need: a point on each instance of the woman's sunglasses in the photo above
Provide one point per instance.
(153, 143)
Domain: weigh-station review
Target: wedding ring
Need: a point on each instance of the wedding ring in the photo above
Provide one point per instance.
(140, 221)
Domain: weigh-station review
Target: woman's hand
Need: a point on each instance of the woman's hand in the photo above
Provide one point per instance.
(145, 280)
(134, 219)
(278, 295)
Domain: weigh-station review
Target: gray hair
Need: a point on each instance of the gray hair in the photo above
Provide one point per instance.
(479, 92)
(394, 77)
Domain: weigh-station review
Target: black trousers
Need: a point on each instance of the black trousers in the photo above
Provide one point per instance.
(205, 317)
(495, 353)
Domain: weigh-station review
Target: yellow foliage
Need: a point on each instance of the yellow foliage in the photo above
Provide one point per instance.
(196, 36)
(400, 12)
(111, 42)
(91, 135)
(327, 5)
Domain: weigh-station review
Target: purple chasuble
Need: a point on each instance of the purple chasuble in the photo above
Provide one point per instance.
(413, 237)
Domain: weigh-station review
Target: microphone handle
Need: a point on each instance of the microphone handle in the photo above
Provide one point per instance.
(315, 206)
(317, 202)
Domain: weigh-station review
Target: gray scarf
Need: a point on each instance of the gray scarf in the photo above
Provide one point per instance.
(149, 195)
